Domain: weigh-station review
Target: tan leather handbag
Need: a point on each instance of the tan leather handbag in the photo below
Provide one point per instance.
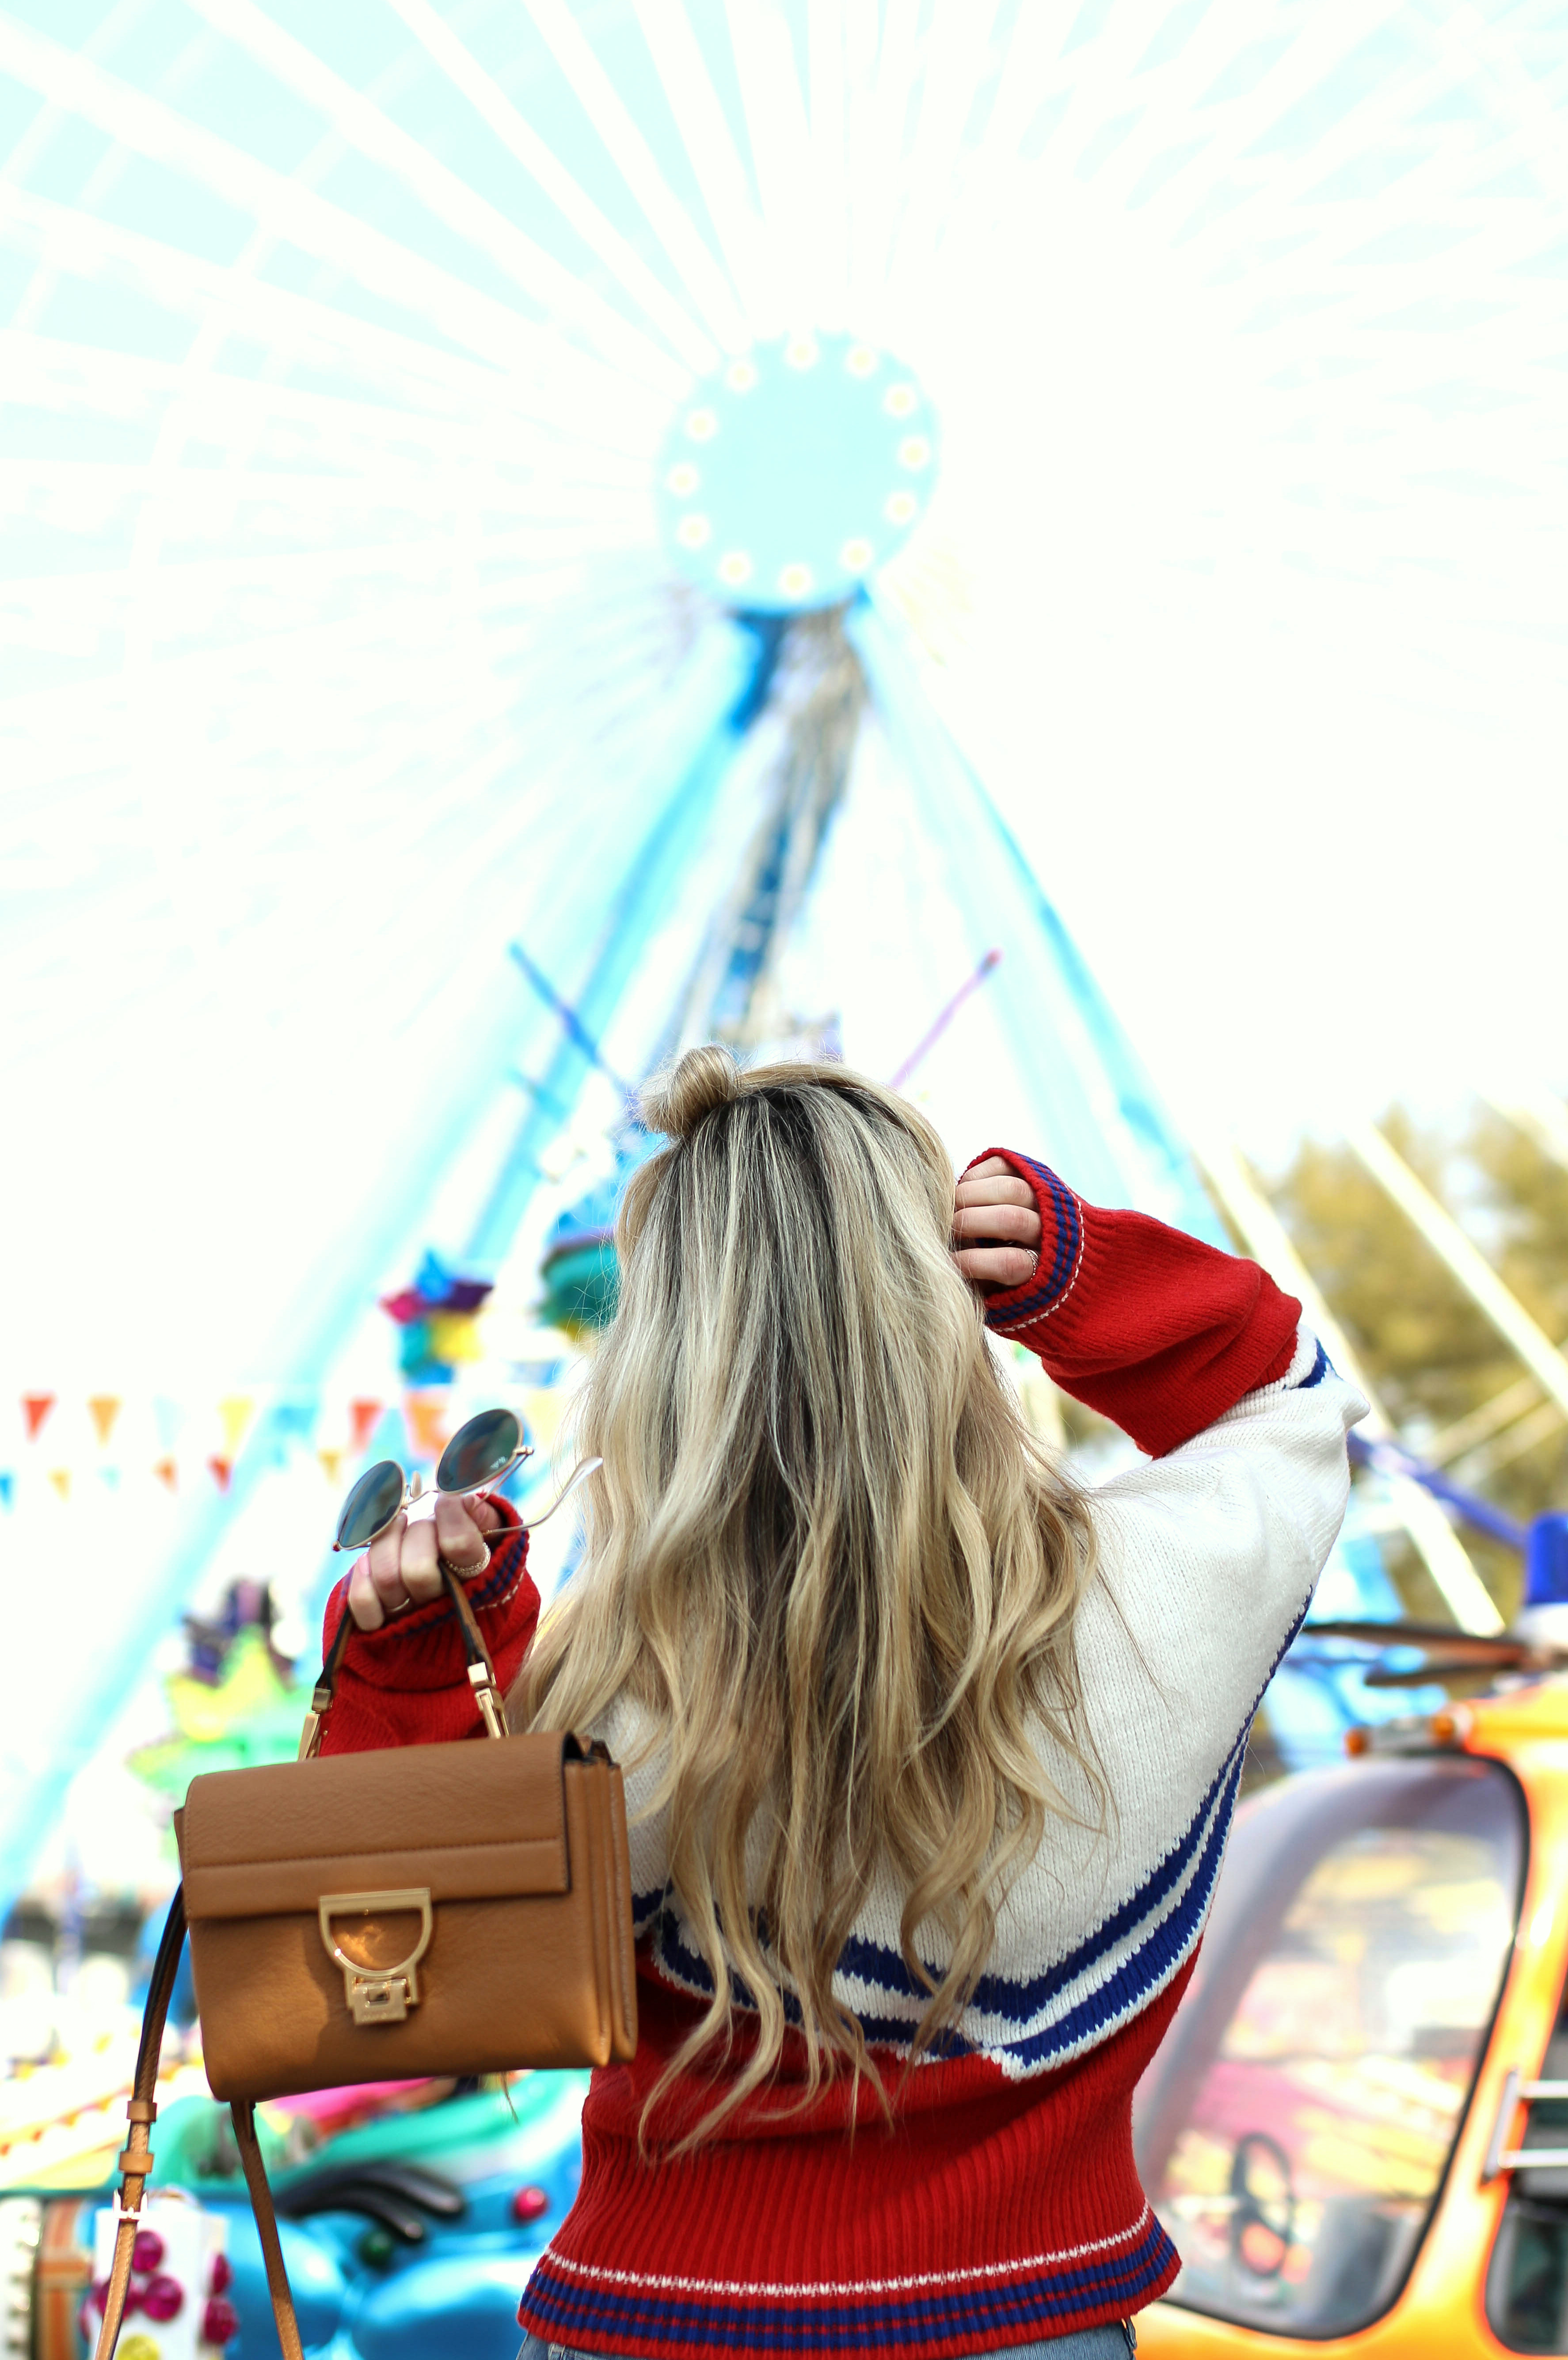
(429, 1909)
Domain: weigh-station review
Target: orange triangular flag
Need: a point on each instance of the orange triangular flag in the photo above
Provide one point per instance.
(221, 1470)
(104, 1409)
(60, 1478)
(331, 1462)
(164, 1469)
(36, 1407)
(426, 1413)
(362, 1415)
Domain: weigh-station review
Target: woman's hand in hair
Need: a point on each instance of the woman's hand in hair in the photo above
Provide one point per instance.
(996, 1226)
(399, 1567)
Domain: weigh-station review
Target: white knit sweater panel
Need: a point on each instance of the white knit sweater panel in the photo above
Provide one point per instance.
(1208, 1558)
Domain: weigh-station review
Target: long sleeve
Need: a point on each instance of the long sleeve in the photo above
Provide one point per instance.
(1207, 1553)
(1149, 1326)
(407, 1683)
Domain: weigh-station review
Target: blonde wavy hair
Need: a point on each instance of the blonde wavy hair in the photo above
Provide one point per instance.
(827, 1563)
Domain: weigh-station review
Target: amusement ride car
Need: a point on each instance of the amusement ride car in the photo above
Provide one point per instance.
(1357, 2132)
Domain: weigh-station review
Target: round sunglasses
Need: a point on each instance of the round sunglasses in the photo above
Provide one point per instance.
(481, 1452)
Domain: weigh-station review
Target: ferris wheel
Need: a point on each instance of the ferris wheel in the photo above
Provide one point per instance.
(528, 508)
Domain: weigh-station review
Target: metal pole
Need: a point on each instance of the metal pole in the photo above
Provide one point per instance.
(934, 1032)
(1542, 1118)
(1434, 1540)
(1470, 1267)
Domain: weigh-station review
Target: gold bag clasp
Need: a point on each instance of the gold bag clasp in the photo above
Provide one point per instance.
(377, 1995)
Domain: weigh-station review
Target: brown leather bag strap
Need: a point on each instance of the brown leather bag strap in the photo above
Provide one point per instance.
(135, 2163)
(242, 2115)
(326, 1683)
(481, 1670)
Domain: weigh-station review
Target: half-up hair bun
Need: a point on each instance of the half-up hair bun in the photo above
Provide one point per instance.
(675, 1101)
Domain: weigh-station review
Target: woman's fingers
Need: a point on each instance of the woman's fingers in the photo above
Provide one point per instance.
(421, 1568)
(983, 1187)
(384, 1563)
(996, 1265)
(463, 1544)
(402, 1565)
(363, 1603)
(996, 1226)
(1008, 1224)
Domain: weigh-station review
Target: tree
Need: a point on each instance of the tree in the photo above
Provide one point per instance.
(1450, 1384)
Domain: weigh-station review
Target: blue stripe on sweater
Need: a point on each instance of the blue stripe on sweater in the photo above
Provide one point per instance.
(1123, 1993)
(1191, 1866)
(557, 2306)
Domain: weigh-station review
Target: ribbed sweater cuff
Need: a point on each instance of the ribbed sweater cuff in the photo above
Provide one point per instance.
(420, 1647)
(1151, 1328)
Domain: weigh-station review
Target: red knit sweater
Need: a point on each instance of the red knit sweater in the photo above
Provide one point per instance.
(999, 2206)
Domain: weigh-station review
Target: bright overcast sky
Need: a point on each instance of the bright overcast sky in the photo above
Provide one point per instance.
(340, 643)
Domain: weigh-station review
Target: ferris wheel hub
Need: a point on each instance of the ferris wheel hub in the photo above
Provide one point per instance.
(791, 474)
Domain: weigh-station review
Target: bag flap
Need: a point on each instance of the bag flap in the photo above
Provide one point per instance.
(474, 1821)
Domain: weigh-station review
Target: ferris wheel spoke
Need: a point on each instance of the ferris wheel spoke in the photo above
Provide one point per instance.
(558, 291)
(197, 596)
(388, 853)
(474, 320)
(47, 373)
(826, 87)
(601, 620)
(86, 247)
(714, 159)
(705, 280)
(570, 200)
(1260, 137)
(781, 151)
(878, 109)
(1440, 193)
(958, 48)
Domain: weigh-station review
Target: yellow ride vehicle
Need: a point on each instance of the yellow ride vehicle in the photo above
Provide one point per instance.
(1358, 2130)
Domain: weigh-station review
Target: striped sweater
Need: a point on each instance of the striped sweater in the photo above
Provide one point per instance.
(1002, 2205)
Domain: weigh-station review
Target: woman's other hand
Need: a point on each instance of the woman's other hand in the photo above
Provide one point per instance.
(996, 1226)
(399, 1568)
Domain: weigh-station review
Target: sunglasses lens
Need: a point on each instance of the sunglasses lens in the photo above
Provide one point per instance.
(478, 1451)
(372, 1504)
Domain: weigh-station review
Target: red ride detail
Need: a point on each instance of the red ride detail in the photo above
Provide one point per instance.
(221, 2321)
(222, 2277)
(529, 2203)
(163, 2297)
(147, 2254)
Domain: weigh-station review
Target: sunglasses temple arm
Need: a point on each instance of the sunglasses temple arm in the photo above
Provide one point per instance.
(564, 1494)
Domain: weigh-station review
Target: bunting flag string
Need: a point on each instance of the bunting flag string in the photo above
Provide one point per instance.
(75, 1446)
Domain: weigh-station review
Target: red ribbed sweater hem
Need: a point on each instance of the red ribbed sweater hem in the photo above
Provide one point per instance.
(989, 2213)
